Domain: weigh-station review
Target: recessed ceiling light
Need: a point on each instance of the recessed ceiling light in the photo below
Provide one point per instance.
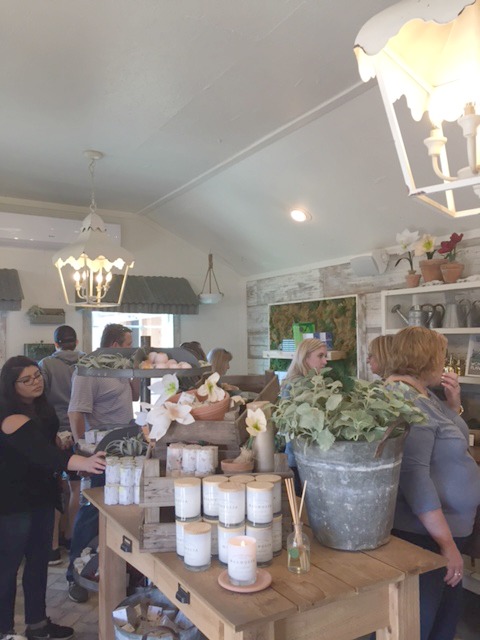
(300, 215)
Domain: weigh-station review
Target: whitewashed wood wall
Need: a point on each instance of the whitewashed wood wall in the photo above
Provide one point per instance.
(327, 282)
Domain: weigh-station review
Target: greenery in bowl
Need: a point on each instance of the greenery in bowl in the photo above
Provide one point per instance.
(320, 411)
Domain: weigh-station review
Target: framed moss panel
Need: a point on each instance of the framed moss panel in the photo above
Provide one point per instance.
(38, 350)
(336, 315)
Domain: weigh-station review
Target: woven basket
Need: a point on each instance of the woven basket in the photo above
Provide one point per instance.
(215, 411)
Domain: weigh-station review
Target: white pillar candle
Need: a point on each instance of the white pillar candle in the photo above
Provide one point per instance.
(189, 459)
(137, 475)
(277, 534)
(277, 489)
(264, 537)
(187, 498)
(111, 494)
(259, 502)
(205, 462)
(224, 535)
(210, 495)
(179, 534)
(242, 560)
(127, 475)
(91, 436)
(136, 494)
(174, 457)
(197, 546)
(125, 495)
(231, 503)
(112, 470)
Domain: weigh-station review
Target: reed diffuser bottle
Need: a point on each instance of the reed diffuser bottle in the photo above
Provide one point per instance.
(298, 550)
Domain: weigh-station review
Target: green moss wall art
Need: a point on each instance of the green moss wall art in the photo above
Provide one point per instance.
(336, 315)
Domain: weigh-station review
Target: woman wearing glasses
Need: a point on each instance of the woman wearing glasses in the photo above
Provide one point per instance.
(30, 463)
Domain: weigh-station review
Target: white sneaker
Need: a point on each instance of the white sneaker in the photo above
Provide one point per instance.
(12, 636)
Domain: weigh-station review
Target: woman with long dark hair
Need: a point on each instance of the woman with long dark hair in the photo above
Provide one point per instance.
(30, 466)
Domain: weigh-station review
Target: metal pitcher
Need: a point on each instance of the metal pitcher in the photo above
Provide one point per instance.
(436, 321)
(417, 315)
(451, 319)
(475, 314)
(465, 313)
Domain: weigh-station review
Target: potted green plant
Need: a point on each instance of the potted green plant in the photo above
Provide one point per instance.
(348, 447)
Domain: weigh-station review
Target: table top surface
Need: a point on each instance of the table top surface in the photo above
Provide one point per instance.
(334, 575)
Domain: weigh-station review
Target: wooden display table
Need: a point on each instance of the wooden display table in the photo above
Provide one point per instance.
(345, 594)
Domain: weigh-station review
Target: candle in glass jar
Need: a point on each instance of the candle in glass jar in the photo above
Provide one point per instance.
(277, 489)
(259, 502)
(264, 537)
(210, 495)
(242, 560)
(277, 534)
(213, 522)
(187, 498)
(231, 503)
(179, 533)
(197, 546)
(224, 535)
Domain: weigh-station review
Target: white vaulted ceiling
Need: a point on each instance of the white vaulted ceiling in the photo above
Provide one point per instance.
(215, 116)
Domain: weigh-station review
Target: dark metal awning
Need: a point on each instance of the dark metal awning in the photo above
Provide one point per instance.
(154, 294)
(11, 294)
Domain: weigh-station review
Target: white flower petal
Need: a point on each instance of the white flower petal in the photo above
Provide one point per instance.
(160, 427)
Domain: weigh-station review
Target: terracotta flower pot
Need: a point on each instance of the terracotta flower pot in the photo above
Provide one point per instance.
(215, 411)
(431, 269)
(229, 466)
(412, 279)
(451, 271)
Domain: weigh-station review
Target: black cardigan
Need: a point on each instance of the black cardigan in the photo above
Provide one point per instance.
(30, 465)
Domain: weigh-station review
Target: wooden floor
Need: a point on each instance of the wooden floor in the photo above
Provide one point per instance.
(84, 617)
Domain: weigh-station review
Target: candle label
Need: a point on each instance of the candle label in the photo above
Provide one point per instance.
(259, 506)
(277, 534)
(197, 549)
(231, 506)
(264, 538)
(242, 563)
(224, 536)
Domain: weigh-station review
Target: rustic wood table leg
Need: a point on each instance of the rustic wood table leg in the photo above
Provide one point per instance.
(404, 604)
(264, 632)
(112, 582)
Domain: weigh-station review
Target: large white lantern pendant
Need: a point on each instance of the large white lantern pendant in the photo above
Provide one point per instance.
(428, 51)
(92, 259)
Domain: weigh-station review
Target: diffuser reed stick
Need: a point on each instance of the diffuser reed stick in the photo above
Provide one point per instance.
(304, 562)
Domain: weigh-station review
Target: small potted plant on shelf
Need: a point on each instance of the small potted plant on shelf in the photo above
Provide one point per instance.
(451, 269)
(407, 241)
(430, 267)
(348, 446)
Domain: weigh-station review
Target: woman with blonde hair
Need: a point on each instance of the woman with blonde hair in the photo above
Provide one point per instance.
(220, 359)
(439, 487)
(378, 355)
(311, 355)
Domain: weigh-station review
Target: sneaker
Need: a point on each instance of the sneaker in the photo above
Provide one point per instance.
(12, 636)
(55, 557)
(50, 631)
(76, 593)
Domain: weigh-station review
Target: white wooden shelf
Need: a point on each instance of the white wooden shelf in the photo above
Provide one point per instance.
(288, 355)
(460, 331)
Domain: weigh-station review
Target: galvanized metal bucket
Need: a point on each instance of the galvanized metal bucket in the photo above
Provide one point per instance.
(351, 495)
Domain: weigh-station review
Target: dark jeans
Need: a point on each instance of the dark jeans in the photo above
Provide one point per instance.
(440, 604)
(85, 527)
(25, 535)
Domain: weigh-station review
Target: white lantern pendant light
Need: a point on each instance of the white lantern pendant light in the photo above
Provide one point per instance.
(210, 297)
(92, 259)
(428, 51)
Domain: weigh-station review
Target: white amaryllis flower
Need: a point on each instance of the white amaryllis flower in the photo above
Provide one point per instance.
(142, 415)
(407, 239)
(166, 387)
(180, 412)
(426, 245)
(211, 390)
(256, 422)
(236, 400)
(160, 421)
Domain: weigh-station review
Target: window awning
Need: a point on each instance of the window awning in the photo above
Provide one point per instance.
(11, 294)
(154, 294)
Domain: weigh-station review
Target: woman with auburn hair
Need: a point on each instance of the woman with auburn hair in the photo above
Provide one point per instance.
(378, 355)
(439, 487)
(311, 355)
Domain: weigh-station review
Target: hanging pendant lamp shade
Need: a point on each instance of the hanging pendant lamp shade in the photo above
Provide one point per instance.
(428, 53)
(210, 297)
(91, 261)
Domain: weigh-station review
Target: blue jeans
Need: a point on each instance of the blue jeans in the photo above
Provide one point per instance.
(28, 535)
(440, 604)
(85, 527)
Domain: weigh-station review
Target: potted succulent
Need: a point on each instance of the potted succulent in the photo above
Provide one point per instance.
(451, 269)
(430, 267)
(348, 445)
(407, 241)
